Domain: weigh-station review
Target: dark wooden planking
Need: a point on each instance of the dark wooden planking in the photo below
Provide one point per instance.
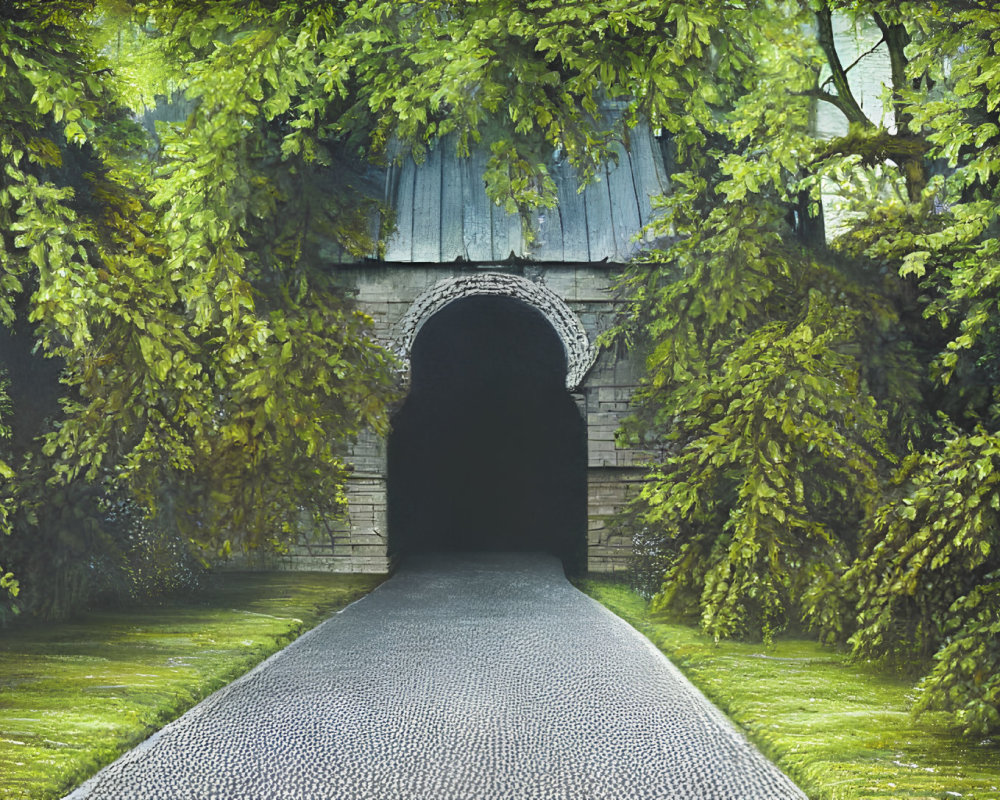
(643, 160)
(600, 225)
(500, 231)
(443, 212)
(452, 203)
(400, 245)
(389, 197)
(572, 214)
(662, 178)
(476, 214)
(427, 208)
(515, 235)
(624, 204)
(548, 243)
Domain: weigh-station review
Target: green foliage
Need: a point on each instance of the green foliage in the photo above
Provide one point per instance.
(530, 78)
(965, 679)
(784, 381)
(211, 369)
(927, 547)
(771, 441)
(926, 582)
(52, 105)
(947, 239)
(8, 581)
(926, 577)
(765, 415)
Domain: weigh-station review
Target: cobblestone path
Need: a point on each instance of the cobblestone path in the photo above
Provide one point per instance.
(462, 678)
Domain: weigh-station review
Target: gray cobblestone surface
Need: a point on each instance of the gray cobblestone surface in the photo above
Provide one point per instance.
(463, 677)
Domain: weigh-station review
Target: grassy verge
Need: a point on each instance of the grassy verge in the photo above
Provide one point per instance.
(841, 731)
(75, 696)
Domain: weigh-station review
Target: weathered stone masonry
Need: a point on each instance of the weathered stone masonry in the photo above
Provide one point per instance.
(577, 300)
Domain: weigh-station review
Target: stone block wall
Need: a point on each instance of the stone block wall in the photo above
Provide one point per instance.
(358, 542)
(614, 472)
(607, 393)
(387, 292)
(608, 550)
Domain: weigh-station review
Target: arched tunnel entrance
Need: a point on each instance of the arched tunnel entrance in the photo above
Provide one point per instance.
(489, 450)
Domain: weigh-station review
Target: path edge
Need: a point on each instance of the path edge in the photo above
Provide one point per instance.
(711, 708)
(82, 792)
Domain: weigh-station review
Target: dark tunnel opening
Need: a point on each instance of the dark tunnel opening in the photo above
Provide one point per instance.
(488, 453)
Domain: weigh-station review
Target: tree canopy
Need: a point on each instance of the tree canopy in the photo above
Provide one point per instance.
(209, 370)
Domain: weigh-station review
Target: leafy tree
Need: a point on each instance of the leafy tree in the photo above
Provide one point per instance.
(774, 437)
(926, 578)
(773, 444)
(209, 366)
(49, 101)
(721, 314)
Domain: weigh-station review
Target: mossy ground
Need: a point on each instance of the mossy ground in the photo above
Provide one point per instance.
(74, 696)
(842, 731)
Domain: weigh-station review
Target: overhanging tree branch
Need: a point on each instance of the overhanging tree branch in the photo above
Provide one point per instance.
(878, 147)
(846, 101)
(896, 38)
(858, 60)
(835, 100)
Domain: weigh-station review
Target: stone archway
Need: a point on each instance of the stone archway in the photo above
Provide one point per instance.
(580, 353)
(575, 302)
(489, 450)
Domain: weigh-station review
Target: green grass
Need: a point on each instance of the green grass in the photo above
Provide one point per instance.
(841, 731)
(75, 696)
